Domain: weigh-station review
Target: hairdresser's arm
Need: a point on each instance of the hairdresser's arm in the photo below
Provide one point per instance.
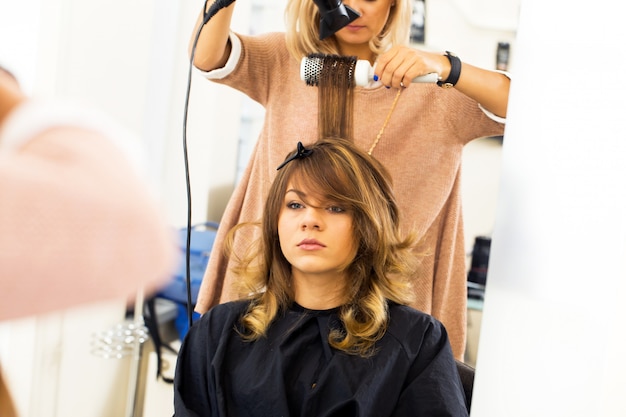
(489, 88)
(402, 64)
(213, 47)
(77, 223)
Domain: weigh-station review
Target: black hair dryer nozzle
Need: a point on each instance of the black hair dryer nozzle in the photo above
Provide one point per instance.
(334, 16)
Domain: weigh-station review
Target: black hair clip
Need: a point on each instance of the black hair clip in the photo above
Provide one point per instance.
(302, 152)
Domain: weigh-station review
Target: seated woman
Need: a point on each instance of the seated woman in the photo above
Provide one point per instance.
(324, 328)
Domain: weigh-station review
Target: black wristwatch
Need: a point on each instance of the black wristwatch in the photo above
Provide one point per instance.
(455, 71)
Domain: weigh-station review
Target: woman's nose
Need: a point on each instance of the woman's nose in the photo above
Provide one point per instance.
(312, 219)
(352, 4)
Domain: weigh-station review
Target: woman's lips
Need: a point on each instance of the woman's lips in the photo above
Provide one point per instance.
(311, 244)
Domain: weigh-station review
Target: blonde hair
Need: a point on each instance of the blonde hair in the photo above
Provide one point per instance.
(384, 262)
(302, 19)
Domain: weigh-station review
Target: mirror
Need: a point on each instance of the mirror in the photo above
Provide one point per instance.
(130, 59)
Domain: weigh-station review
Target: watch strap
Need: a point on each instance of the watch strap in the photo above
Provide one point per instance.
(455, 71)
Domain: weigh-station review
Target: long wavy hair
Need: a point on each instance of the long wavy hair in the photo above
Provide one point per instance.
(302, 20)
(337, 171)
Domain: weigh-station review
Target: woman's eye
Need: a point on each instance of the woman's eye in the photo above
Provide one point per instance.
(294, 205)
(336, 209)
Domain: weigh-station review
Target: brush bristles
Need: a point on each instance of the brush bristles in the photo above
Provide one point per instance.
(318, 65)
(312, 69)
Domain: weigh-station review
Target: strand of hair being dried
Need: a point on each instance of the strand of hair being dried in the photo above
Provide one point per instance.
(335, 92)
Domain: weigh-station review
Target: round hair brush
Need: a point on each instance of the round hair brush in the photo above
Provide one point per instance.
(363, 73)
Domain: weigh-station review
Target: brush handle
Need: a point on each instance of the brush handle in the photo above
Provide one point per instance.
(310, 69)
(364, 73)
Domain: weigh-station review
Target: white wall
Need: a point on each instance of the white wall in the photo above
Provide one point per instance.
(553, 335)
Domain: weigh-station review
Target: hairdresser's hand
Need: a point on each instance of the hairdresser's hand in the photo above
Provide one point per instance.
(401, 64)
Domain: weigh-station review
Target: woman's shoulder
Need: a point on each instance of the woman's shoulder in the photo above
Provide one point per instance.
(224, 315)
(415, 333)
(267, 39)
(264, 51)
(407, 323)
(264, 35)
(405, 312)
(229, 308)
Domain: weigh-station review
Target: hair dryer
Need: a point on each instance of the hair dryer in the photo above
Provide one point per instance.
(334, 16)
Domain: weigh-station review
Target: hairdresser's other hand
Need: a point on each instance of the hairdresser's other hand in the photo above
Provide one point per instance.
(401, 64)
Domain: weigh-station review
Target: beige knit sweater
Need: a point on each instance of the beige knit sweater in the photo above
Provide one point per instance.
(421, 146)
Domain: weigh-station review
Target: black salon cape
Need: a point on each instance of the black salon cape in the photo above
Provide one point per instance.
(294, 372)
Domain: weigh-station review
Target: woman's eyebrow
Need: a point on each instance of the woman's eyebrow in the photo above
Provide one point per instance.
(300, 194)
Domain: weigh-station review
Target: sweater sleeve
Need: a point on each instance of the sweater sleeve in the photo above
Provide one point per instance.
(78, 222)
(254, 62)
(231, 63)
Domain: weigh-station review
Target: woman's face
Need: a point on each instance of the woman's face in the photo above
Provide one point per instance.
(315, 236)
(374, 15)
